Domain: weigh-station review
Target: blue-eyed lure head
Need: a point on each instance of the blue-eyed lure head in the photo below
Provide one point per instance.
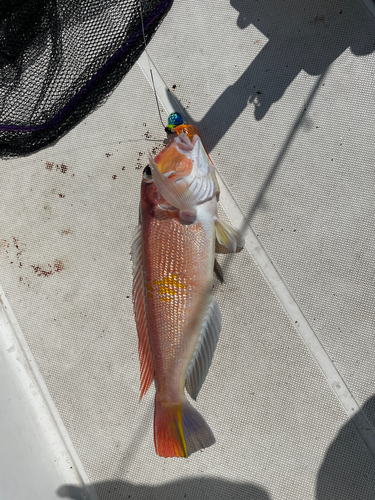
(174, 119)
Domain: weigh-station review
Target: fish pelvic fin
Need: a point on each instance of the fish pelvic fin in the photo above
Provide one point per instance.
(179, 430)
(228, 236)
(175, 193)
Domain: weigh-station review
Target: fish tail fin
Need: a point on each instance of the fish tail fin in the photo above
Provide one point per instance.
(179, 430)
(197, 433)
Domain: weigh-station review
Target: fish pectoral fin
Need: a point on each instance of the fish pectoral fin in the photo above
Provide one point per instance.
(200, 364)
(144, 350)
(228, 236)
(175, 193)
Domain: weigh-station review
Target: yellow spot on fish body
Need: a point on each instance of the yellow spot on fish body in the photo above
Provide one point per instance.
(172, 280)
(168, 286)
(165, 289)
(149, 287)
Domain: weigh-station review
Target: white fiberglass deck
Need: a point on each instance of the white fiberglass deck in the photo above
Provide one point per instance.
(282, 93)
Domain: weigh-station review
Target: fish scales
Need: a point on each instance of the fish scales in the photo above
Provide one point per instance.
(178, 267)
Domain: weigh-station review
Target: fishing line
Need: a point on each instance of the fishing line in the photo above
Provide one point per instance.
(149, 63)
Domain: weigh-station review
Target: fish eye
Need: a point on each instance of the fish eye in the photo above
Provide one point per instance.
(147, 174)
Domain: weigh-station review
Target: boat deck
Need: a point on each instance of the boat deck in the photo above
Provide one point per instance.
(282, 94)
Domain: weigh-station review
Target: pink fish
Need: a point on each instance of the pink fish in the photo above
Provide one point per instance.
(178, 319)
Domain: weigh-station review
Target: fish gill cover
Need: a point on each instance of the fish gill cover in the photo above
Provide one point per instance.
(60, 58)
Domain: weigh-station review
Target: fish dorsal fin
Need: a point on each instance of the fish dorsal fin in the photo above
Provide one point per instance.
(228, 235)
(144, 350)
(200, 364)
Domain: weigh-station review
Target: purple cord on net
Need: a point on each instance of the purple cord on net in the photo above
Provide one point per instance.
(91, 83)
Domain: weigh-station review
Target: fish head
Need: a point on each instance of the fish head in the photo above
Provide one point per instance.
(150, 196)
(173, 160)
(184, 159)
(178, 201)
(184, 176)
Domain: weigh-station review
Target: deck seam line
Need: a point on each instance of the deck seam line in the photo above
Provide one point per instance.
(370, 5)
(274, 279)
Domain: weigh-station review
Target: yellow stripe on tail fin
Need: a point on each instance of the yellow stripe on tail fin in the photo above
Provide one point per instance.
(168, 430)
(179, 430)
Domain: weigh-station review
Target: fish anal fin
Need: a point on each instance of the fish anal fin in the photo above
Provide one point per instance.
(228, 236)
(144, 350)
(200, 364)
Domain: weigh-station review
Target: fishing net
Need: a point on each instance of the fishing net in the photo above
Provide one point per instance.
(59, 59)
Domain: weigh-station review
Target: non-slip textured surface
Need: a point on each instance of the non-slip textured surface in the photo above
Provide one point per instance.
(67, 216)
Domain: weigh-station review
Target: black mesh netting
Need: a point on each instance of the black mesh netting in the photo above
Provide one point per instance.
(61, 58)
